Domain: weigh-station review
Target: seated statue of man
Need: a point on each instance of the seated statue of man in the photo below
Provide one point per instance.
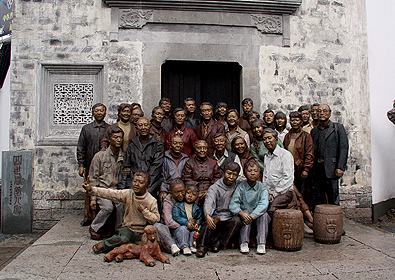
(221, 224)
(278, 174)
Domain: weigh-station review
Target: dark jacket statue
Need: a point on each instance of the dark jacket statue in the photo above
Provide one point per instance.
(335, 152)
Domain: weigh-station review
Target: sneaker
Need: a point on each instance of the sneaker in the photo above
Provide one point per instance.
(244, 248)
(186, 251)
(193, 249)
(175, 251)
(261, 249)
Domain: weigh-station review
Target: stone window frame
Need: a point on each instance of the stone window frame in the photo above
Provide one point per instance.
(49, 134)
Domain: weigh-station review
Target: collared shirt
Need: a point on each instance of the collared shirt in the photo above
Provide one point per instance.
(105, 169)
(308, 127)
(89, 143)
(278, 173)
(282, 134)
(253, 200)
(222, 159)
(171, 170)
(217, 200)
(237, 132)
(192, 123)
(159, 131)
(260, 155)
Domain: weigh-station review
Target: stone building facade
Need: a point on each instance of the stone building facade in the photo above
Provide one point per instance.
(292, 53)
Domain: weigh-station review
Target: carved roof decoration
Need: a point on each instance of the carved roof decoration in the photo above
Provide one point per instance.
(240, 6)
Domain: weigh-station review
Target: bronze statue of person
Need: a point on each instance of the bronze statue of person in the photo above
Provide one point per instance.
(220, 113)
(157, 117)
(305, 111)
(233, 130)
(88, 145)
(173, 164)
(188, 135)
(144, 153)
(136, 114)
(315, 121)
(268, 117)
(124, 115)
(247, 105)
(221, 224)
(251, 117)
(280, 124)
(209, 127)
(167, 122)
(104, 172)
(221, 154)
(190, 107)
(201, 170)
(331, 153)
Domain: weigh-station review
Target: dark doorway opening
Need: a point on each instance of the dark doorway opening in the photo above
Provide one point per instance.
(203, 81)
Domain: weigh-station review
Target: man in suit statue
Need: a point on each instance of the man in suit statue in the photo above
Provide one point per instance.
(331, 153)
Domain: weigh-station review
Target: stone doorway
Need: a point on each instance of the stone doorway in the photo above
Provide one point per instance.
(203, 81)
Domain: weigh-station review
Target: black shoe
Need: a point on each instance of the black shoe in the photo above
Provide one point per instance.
(201, 252)
(216, 247)
(85, 222)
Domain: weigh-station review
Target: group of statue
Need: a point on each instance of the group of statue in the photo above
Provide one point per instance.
(202, 182)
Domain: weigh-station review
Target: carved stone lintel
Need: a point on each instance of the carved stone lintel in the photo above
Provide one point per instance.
(268, 23)
(134, 18)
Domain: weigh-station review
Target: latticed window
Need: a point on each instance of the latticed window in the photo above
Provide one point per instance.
(67, 94)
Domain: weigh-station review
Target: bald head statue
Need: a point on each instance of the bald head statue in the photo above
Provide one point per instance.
(143, 126)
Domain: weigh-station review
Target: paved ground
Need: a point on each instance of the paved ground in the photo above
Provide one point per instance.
(11, 245)
(64, 252)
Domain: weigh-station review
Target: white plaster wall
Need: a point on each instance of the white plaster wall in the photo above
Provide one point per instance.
(381, 42)
(4, 117)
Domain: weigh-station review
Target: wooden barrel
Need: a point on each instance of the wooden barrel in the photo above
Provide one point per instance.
(328, 223)
(288, 231)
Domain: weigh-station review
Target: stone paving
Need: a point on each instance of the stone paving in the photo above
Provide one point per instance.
(65, 252)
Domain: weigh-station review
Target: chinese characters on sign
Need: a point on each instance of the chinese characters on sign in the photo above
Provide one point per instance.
(17, 203)
(17, 160)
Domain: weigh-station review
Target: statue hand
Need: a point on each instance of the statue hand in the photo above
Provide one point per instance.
(210, 222)
(93, 204)
(141, 207)
(81, 171)
(87, 186)
(339, 172)
(162, 196)
(271, 198)
(304, 174)
(247, 219)
(202, 194)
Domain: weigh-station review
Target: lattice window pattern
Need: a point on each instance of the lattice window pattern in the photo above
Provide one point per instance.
(72, 103)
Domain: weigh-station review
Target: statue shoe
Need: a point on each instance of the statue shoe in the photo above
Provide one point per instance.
(94, 234)
(175, 251)
(307, 230)
(260, 249)
(193, 250)
(98, 247)
(244, 248)
(201, 252)
(186, 251)
(85, 222)
(216, 247)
